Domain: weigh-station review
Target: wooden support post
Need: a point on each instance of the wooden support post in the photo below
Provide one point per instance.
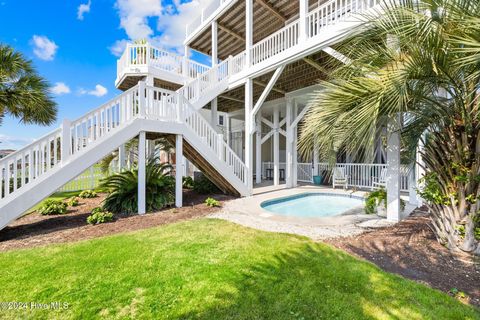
(276, 147)
(393, 169)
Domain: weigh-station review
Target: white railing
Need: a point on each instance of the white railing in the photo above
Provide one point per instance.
(204, 15)
(237, 63)
(275, 43)
(333, 11)
(197, 88)
(104, 120)
(215, 141)
(29, 163)
(268, 167)
(146, 55)
(360, 175)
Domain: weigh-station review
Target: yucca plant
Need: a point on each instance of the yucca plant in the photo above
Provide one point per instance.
(123, 197)
(420, 61)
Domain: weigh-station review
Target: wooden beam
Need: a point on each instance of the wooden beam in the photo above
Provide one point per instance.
(263, 84)
(270, 8)
(230, 32)
(224, 96)
(316, 65)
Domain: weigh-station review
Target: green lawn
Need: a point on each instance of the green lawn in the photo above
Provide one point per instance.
(211, 269)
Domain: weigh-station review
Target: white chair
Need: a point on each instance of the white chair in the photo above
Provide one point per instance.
(339, 177)
(380, 182)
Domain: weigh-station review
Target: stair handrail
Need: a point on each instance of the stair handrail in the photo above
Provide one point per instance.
(214, 140)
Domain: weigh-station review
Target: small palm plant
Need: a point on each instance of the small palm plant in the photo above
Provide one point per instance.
(123, 197)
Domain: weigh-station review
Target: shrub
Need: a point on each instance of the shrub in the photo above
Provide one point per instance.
(160, 189)
(203, 185)
(87, 194)
(210, 202)
(99, 215)
(187, 182)
(51, 207)
(376, 198)
(72, 202)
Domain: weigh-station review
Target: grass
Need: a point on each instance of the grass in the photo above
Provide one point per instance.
(211, 269)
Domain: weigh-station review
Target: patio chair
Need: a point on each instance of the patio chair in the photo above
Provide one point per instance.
(339, 177)
(380, 182)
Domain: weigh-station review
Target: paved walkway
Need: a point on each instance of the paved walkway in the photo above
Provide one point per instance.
(248, 212)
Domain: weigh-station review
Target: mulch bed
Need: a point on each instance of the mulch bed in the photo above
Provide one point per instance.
(35, 230)
(409, 248)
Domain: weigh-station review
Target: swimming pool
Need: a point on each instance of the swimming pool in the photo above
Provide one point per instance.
(312, 205)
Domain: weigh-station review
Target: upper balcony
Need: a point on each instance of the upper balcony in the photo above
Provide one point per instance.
(140, 60)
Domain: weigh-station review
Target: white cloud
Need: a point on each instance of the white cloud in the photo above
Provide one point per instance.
(99, 91)
(134, 16)
(82, 9)
(118, 47)
(170, 20)
(172, 26)
(60, 88)
(9, 142)
(44, 48)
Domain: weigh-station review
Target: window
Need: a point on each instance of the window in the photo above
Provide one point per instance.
(221, 120)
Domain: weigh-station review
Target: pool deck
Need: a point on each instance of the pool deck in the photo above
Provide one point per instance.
(248, 212)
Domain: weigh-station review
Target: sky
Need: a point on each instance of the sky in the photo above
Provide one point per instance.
(75, 45)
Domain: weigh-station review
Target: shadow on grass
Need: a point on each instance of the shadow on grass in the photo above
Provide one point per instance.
(320, 283)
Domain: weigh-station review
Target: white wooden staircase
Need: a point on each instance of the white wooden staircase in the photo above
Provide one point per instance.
(39, 169)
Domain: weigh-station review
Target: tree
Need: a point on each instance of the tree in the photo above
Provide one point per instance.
(23, 93)
(419, 60)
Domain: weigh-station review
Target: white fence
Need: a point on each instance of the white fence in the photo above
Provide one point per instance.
(360, 175)
(90, 179)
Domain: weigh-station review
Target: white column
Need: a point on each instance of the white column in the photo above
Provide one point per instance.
(289, 145)
(121, 157)
(185, 61)
(258, 147)
(248, 31)
(248, 135)
(294, 147)
(141, 173)
(214, 43)
(303, 27)
(419, 170)
(315, 159)
(149, 80)
(179, 170)
(276, 147)
(393, 169)
(214, 114)
(228, 121)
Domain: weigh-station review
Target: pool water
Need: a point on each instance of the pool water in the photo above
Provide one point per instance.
(312, 205)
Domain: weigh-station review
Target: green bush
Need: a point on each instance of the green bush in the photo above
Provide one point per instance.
(72, 202)
(187, 182)
(203, 185)
(377, 197)
(99, 215)
(160, 189)
(87, 194)
(210, 202)
(51, 207)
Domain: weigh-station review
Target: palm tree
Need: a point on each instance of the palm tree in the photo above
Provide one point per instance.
(419, 60)
(23, 93)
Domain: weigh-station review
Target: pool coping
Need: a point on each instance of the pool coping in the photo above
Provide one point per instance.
(248, 212)
(354, 210)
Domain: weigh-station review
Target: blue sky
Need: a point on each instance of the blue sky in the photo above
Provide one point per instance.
(76, 43)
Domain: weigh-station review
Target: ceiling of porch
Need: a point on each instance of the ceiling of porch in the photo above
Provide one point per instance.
(268, 16)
